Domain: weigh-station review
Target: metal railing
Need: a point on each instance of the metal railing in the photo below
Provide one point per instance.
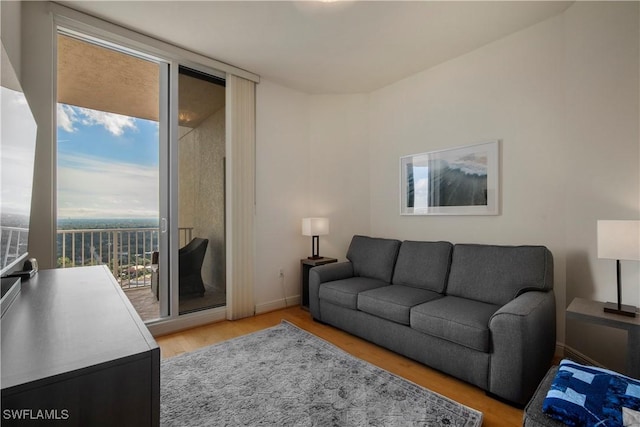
(13, 243)
(184, 235)
(127, 251)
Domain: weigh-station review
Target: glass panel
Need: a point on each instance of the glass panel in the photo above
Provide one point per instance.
(17, 153)
(456, 181)
(201, 191)
(108, 166)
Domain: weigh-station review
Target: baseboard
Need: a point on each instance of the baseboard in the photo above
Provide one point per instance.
(187, 321)
(568, 352)
(164, 327)
(278, 304)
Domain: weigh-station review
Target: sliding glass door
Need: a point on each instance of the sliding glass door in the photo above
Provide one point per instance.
(141, 174)
(109, 146)
(201, 191)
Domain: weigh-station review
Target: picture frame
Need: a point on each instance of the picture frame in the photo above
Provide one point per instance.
(455, 181)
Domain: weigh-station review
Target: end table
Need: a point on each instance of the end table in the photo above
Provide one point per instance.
(307, 264)
(593, 312)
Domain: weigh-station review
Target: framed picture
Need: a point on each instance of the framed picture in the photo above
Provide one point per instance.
(456, 181)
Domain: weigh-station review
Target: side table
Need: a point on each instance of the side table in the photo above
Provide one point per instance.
(593, 312)
(307, 264)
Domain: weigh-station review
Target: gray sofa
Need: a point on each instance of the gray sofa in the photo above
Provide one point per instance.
(482, 313)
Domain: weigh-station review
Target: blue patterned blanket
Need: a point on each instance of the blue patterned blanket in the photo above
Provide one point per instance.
(589, 396)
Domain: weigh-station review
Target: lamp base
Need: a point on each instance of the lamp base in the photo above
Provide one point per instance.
(315, 257)
(625, 310)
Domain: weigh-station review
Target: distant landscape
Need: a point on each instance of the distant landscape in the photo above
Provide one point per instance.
(105, 223)
(137, 238)
(14, 220)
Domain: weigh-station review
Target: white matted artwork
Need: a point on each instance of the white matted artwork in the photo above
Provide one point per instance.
(456, 181)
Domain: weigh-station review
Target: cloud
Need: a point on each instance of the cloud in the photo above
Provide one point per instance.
(66, 118)
(92, 187)
(116, 124)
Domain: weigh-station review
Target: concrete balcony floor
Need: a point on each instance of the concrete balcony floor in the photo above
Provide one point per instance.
(148, 307)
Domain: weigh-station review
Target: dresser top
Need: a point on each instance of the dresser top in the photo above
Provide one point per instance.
(66, 320)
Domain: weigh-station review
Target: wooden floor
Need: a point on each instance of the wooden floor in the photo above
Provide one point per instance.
(495, 413)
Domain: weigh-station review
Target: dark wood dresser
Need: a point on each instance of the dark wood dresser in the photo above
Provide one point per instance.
(76, 353)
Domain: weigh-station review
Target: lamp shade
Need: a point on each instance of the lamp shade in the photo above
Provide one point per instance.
(315, 226)
(619, 240)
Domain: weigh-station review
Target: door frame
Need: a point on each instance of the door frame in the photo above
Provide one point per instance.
(170, 56)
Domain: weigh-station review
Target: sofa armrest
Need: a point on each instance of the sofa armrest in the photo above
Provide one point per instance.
(322, 274)
(523, 335)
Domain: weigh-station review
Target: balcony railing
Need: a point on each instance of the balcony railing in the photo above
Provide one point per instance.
(13, 243)
(127, 251)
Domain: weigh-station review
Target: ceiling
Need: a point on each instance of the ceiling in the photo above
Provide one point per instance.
(326, 46)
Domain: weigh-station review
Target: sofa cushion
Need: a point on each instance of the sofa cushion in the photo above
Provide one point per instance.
(423, 265)
(373, 257)
(394, 302)
(498, 274)
(345, 292)
(459, 320)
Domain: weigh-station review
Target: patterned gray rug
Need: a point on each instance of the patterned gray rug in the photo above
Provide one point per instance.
(284, 376)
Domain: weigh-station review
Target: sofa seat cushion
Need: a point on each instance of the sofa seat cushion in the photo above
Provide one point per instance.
(345, 292)
(459, 320)
(394, 302)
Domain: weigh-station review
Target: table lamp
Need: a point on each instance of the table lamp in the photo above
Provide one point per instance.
(315, 227)
(619, 240)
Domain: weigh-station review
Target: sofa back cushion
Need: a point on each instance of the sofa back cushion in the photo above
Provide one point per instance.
(373, 257)
(423, 265)
(498, 274)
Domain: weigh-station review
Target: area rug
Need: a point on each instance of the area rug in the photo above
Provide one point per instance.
(285, 376)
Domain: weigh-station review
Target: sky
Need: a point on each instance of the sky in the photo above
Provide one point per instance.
(18, 135)
(421, 186)
(107, 165)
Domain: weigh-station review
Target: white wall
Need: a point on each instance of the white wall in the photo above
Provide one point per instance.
(602, 157)
(312, 160)
(282, 193)
(339, 169)
(510, 90)
(563, 98)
